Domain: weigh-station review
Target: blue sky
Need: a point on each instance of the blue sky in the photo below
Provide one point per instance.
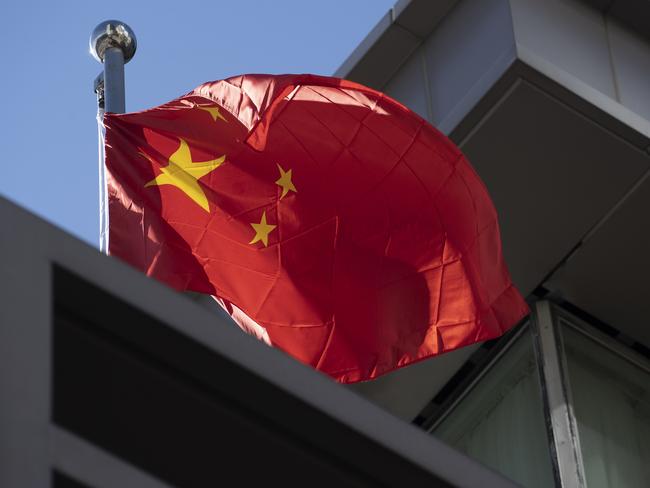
(48, 134)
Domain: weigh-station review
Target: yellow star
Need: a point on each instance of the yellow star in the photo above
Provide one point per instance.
(183, 173)
(285, 182)
(262, 231)
(214, 112)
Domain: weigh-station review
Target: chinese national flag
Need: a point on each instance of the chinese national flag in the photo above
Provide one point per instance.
(330, 220)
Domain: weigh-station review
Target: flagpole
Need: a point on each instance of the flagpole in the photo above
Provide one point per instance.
(113, 44)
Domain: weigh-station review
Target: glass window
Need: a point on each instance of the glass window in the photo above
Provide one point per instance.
(500, 421)
(611, 401)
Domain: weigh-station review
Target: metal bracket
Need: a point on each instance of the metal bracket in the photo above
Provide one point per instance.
(98, 87)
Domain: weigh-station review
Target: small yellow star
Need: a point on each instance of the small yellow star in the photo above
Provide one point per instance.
(262, 231)
(285, 182)
(213, 111)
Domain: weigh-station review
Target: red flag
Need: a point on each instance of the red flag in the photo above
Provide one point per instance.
(330, 220)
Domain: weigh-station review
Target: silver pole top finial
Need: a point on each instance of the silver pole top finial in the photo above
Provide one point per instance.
(113, 33)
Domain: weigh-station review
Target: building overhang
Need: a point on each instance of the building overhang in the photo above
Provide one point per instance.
(547, 101)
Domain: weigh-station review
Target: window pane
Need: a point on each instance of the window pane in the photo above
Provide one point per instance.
(500, 422)
(611, 398)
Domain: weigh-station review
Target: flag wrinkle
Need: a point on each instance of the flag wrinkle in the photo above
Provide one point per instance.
(387, 175)
(358, 127)
(236, 265)
(312, 228)
(297, 139)
(374, 110)
(266, 294)
(339, 106)
(401, 107)
(365, 103)
(441, 281)
(299, 325)
(270, 288)
(417, 272)
(210, 230)
(326, 345)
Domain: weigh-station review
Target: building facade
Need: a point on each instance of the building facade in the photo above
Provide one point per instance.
(108, 379)
(549, 99)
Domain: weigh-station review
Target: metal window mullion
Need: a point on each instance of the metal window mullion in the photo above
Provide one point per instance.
(558, 408)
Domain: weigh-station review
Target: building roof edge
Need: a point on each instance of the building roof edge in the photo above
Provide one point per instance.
(392, 40)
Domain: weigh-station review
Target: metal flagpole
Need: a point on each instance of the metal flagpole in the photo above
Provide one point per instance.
(113, 44)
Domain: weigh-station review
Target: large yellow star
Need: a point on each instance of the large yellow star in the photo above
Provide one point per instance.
(285, 182)
(214, 112)
(183, 173)
(262, 231)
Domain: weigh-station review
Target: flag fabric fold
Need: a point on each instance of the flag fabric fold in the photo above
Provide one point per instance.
(329, 220)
